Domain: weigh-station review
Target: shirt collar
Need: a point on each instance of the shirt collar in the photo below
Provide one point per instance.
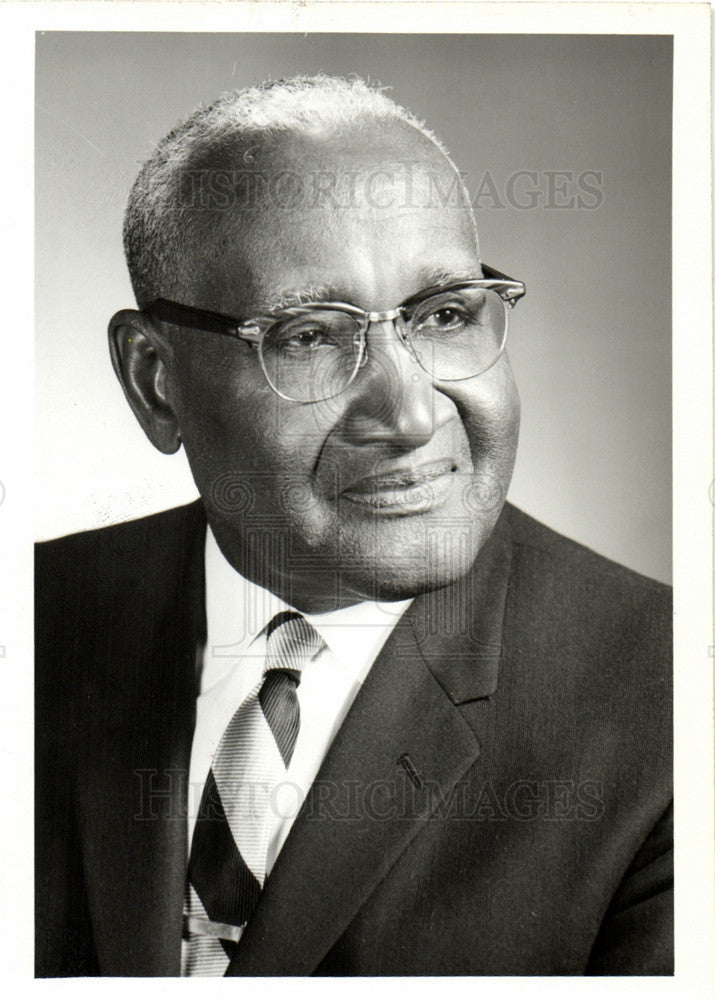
(238, 610)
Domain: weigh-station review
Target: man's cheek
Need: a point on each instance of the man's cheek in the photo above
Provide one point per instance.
(491, 418)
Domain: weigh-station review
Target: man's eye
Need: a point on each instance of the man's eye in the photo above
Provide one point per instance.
(303, 339)
(449, 317)
(444, 319)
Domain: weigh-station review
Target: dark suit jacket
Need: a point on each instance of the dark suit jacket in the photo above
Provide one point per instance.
(497, 801)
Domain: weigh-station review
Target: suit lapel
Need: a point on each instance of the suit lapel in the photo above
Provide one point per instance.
(403, 746)
(133, 775)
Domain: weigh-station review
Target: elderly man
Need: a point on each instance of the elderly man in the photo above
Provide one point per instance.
(351, 713)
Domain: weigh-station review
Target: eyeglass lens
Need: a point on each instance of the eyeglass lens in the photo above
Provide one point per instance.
(454, 335)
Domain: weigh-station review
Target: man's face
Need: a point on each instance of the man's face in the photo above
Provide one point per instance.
(390, 488)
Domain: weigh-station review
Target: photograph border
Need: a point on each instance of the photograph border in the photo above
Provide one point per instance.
(693, 490)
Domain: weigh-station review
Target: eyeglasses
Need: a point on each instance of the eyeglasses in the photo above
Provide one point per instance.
(313, 352)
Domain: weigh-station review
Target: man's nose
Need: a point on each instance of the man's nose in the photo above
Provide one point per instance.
(395, 400)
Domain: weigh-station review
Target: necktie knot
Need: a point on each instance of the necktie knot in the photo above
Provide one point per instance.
(291, 642)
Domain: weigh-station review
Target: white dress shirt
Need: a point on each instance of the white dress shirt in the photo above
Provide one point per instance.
(237, 612)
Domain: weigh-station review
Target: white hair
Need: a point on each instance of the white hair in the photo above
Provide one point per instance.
(162, 238)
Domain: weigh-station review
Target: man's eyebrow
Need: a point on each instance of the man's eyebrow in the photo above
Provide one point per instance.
(297, 297)
(330, 293)
(430, 277)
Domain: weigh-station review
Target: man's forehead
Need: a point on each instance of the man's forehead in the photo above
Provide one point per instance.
(310, 216)
(353, 257)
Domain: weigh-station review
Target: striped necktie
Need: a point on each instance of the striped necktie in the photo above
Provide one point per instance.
(227, 863)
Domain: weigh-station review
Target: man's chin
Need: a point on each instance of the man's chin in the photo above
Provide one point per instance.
(401, 558)
(398, 580)
(390, 590)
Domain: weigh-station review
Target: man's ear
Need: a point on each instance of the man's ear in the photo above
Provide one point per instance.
(140, 356)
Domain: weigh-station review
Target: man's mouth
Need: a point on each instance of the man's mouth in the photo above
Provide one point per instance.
(402, 491)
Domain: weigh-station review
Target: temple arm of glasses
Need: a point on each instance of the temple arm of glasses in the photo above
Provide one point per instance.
(513, 289)
(491, 272)
(197, 319)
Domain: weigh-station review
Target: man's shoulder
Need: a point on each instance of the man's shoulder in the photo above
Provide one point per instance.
(101, 595)
(542, 550)
(93, 579)
(588, 616)
(141, 538)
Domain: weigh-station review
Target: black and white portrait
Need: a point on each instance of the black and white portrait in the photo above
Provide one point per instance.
(353, 612)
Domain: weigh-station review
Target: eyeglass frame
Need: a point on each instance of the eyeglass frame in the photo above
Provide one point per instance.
(253, 330)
